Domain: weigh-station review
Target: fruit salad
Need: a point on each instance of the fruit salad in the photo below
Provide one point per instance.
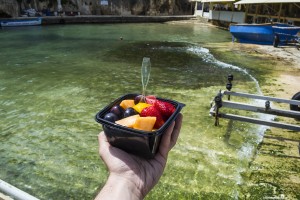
(145, 113)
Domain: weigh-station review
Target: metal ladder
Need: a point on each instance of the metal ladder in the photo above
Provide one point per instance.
(218, 103)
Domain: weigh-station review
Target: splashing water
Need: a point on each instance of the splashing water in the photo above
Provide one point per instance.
(207, 57)
(246, 151)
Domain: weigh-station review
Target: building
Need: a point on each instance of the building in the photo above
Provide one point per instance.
(264, 11)
(249, 11)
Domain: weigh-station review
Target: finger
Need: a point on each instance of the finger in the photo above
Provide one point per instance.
(176, 130)
(165, 141)
(103, 144)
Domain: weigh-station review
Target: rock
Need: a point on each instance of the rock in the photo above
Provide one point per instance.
(93, 7)
(9, 8)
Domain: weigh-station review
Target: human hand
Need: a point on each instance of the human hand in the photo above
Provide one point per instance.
(132, 177)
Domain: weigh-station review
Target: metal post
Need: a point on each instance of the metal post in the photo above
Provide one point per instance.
(15, 192)
(229, 84)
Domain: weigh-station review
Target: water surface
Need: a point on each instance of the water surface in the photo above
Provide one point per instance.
(54, 79)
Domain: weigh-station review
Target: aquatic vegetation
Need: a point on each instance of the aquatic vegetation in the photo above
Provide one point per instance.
(63, 75)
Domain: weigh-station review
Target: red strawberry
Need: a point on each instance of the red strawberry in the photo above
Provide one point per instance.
(165, 108)
(152, 111)
(150, 99)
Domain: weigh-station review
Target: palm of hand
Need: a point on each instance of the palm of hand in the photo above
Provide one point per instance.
(145, 173)
(141, 173)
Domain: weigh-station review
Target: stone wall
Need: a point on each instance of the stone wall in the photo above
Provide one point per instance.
(97, 7)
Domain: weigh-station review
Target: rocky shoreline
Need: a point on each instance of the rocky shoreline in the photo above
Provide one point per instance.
(286, 57)
(93, 19)
(274, 166)
(100, 19)
(274, 170)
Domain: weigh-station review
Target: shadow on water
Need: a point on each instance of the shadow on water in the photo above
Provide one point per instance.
(228, 132)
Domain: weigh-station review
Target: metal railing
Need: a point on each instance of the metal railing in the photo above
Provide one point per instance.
(218, 102)
(14, 192)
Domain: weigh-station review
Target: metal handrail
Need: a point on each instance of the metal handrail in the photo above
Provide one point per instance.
(15, 192)
(253, 96)
(257, 121)
(218, 103)
(248, 107)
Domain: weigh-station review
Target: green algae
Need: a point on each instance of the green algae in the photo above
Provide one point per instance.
(50, 94)
(274, 171)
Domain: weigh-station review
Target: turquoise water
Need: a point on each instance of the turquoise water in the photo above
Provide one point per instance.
(54, 79)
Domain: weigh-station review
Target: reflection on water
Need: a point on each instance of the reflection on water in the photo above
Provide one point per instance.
(54, 79)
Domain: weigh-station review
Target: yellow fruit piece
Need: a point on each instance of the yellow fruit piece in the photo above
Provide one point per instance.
(128, 121)
(127, 103)
(144, 123)
(140, 106)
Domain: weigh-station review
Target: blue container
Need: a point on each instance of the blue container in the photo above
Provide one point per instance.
(142, 143)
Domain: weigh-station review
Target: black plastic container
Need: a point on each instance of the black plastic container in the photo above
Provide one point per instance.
(142, 143)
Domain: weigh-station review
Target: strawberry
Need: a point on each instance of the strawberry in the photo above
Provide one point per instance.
(165, 108)
(152, 111)
(150, 99)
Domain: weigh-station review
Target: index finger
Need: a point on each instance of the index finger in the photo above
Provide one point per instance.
(170, 136)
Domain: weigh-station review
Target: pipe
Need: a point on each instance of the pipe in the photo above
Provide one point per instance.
(59, 7)
(15, 192)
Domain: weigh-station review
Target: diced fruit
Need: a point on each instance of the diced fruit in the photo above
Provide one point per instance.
(139, 99)
(152, 111)
(128, 121)
(140, 106)
(165, 108)
(144, 123)
(150, 99)
(111, 117)
(144, 113)
(127, 103)
(129, 112)
(117, 110)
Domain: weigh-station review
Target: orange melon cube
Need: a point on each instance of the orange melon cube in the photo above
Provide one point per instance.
(128, 121)
(127, 103)
(144, 123)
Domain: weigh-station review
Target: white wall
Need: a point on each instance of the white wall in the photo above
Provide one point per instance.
(198, 13)
(227, 16)
(222, 15)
